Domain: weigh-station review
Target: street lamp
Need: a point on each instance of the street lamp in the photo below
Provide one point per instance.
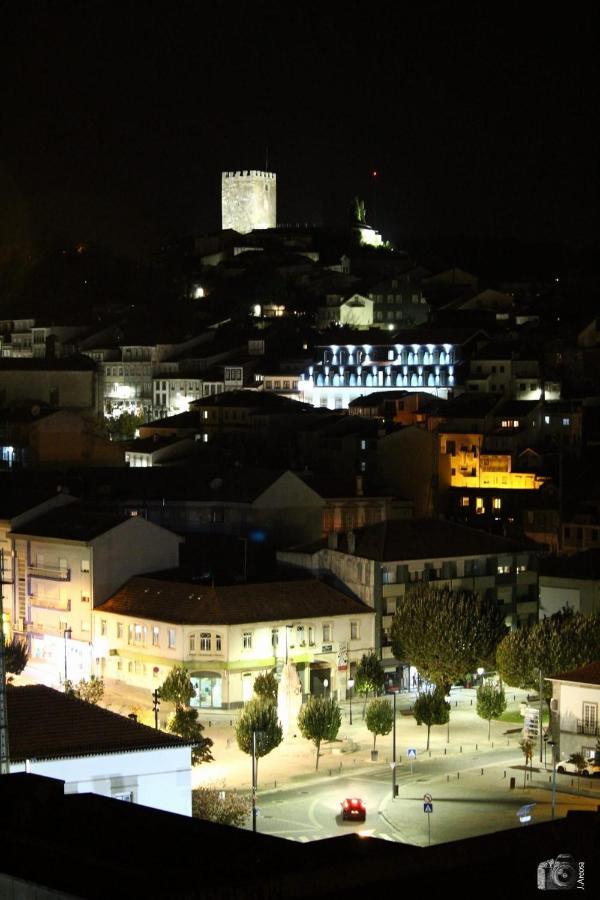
(67, 634)
(553, 745)
(350, 687)
(447, 699)
(394, 752)
(325, 685)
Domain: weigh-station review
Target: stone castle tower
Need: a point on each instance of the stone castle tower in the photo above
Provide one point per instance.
(248, 200)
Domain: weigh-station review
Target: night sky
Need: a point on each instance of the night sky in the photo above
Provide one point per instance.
(117, 120)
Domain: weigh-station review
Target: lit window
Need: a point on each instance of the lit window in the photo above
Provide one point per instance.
(85, 565)
(103, 627)
(327, 632)
(171, 640)
(497, 503)
(247, 640)
(479, 506)
(566, 421)
(354, 631)
(119, 629)
(155, 635)
(274, 637)
(192, 643)
(547, 420)
(464, 501)
(205, 641)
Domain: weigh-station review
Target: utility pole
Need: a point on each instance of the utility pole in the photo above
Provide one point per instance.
(156, 705)
(4, 752)
(254, 782)
(541, 711)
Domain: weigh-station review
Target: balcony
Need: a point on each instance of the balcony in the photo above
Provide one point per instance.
(49, 603)
(589, 728)
(51, 573)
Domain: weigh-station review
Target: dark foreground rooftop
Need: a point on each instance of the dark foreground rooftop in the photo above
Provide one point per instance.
(88, 846)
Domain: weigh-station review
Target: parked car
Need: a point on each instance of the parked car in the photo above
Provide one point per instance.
(592, 768)
(353, 808)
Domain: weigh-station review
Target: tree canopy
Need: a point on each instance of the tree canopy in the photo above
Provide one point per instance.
(265, 686)
(558, 643)
(177, 688)
(16, 655)
(379, 717)
(446, 633)
(214, 804)
(184, 722)
(259, 716)
(319, 720)
(370, 676)
(431, 709)
(491, 702)
(91, 691)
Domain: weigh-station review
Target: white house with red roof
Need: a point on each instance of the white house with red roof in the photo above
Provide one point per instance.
(95, 750)
(574, 707)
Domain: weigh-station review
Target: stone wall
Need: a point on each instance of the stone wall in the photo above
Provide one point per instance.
(248, 200)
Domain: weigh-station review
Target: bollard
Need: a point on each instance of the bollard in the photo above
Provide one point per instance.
(476, 746)
(340, 767)
(209, 723)
(447, 778)
(492, 745)
(456, 703)
(504, 776)
(444, 751)
(461, 748)
(507, 741)
(231, 722)
(274, 784)
(549, 778)
(512, 784)
(458, 776)
(330, 773)
(430, 754)
(482, 771)
(471, 703)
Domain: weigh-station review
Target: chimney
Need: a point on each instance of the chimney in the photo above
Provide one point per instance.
(360, 486)
(351, 542)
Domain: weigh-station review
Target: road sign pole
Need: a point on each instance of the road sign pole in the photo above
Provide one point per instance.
(429, 829)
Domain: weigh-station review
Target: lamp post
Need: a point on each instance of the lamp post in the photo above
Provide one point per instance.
(67, 634)
(350, 690)
(394, 751)
(553, 745)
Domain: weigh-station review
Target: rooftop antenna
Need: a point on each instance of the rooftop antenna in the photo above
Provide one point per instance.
(4, 753)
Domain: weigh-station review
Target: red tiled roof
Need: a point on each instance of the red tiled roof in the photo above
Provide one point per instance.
(193, 604)
(46, 724)
(589, 674)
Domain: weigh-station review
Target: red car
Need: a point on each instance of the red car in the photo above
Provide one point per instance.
(353, 808)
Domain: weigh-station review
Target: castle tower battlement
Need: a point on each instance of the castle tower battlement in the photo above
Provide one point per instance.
(248, 200)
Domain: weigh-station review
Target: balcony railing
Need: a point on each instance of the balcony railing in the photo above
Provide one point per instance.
(589, 728)
(53, 573)
(48, 603)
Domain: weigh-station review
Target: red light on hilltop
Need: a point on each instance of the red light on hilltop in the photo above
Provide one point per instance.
(374, 173)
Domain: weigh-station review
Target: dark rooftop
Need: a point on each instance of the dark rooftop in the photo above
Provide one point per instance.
(193, 604)
(71, 523)
(64, 364)
(47, 724)
(585, 565)
(399, 539)
(589, 674)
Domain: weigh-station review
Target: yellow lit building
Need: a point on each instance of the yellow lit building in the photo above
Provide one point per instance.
(470, 468)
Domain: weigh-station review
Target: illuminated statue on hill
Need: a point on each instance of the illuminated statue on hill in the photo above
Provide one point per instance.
(358, 213)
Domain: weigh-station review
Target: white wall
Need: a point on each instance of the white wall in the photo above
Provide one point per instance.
(159, 778)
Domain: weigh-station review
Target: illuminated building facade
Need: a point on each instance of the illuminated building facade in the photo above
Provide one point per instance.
(343, 373)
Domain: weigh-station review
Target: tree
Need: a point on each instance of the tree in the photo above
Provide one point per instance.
(265, 687)
(370, 677)
(215, 804)
(184, 722)
(558, 643)
(431, 709)
(527, 747)
(579, 760)
(177, 688)
(259, 717)
(491, 702)
(16, 655)
(124, 426)
(445, 633)
(319, 720)
(91, 691)
(379, 718)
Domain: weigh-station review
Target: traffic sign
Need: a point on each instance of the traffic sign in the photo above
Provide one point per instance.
(412, 753)
(392, 765)
(428, 807)
(427, 798)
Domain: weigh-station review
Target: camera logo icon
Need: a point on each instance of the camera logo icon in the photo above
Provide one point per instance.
(558, 874)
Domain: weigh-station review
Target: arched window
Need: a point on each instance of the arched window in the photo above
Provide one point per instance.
(205, 640)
